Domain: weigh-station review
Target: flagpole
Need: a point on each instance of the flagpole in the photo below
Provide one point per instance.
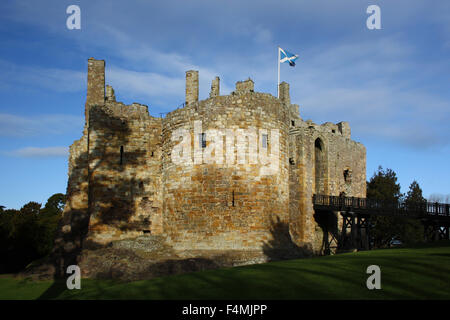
(278, 83)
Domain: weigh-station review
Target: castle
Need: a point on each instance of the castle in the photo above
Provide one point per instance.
(194, 177)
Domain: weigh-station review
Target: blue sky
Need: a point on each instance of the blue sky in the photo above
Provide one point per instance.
(392, 84)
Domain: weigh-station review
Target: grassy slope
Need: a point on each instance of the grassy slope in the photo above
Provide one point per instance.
(420, 273)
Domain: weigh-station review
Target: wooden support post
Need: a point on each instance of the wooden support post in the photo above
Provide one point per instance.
(358, 233)
(369, 242)
(343, 232)
(326, 241)
(353, 232)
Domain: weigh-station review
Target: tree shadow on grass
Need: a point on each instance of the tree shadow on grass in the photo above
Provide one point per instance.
(54, 291)
(447, 255)
(153, 270)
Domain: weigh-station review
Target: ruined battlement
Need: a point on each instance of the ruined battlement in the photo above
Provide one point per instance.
(132, 111)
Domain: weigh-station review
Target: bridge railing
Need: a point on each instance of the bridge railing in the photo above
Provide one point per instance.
(438, 209)
(375, 206)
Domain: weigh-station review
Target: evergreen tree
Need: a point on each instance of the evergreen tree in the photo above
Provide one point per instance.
(412, 229)
(414, 196)
(55, 204)
(28, 234)
(48, 222)
(383, 186)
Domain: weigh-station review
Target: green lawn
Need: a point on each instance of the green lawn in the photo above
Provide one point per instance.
(419, 273)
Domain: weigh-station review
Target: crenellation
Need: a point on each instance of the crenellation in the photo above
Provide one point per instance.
(243, 87)
(215, 88)
(191, 87)
(344, 129)
(110, 96)
(95, 85)
(295, 111)
(284, 93)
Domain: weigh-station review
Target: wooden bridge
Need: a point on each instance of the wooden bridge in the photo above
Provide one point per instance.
(356, 213)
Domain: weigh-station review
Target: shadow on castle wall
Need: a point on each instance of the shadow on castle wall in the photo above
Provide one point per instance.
(328, 223)
(281, 246)
(115, 211)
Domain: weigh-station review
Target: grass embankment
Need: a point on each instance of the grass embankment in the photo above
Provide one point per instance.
(417, 273)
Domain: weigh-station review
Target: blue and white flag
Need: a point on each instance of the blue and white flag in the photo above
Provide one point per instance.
(288, 57)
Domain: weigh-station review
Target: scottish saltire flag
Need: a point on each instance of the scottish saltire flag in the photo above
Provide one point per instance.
(288, 57)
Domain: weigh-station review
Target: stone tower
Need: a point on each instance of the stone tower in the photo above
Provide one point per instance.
(95, 84)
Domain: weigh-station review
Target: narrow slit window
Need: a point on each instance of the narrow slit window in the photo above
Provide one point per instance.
(264, 141)
(202, 140)
(232, 203)
(293, 123)
(121, 155)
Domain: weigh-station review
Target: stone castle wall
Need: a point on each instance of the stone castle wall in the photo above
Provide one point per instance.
(323, 161)
(223, 205)
(124, 183)
(125, 175)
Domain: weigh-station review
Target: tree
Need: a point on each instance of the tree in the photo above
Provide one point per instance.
(48, 221)
(31, 208)
(55, 204)
(383, 186)
(7, 229)
(28, 234)
(412, 229)
(414, 195)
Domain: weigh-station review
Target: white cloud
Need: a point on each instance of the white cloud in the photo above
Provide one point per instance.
(50, 124)
(166, 84)
(149, 84)
(381, 84)
(362, 82)
(158, 87)
(52, 79)
(34, 152)
(377, 87)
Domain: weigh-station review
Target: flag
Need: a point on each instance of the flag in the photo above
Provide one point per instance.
(288, 57)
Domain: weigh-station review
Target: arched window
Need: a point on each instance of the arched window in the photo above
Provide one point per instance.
(318, 144)
(319, 167)
(348, 176)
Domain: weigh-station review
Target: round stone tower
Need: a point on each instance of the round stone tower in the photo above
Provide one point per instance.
(225, 174)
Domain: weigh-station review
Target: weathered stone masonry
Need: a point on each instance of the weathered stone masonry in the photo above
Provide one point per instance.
(123, 183)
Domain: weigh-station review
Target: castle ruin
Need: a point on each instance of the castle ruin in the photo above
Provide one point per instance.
(124, 183)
